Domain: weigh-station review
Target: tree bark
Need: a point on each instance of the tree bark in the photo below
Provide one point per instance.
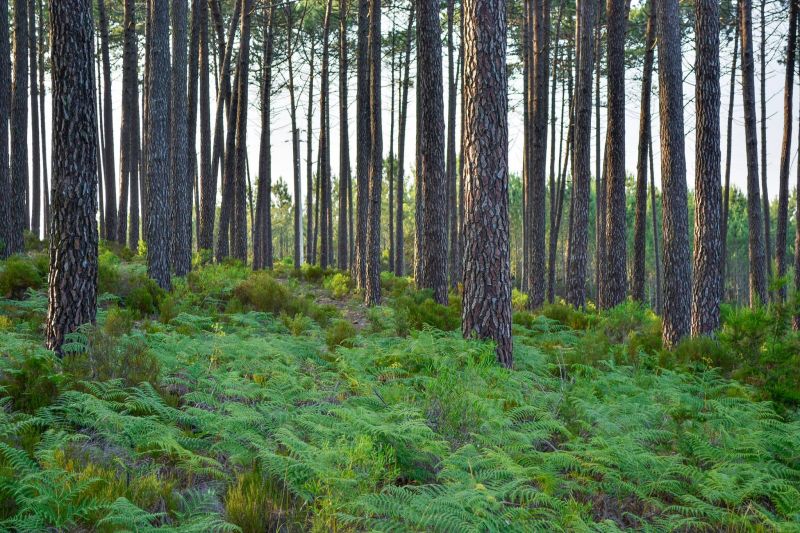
(343, 254)
(128, 164)
(728, 141)
(180, 180)
(36, 173)
(191, 121)
(579, 225)
(158, 246)
(639, 270)
(72, 287)
(372, 285)
(19, 130)
(239, 227)
(454, 266)
(757, 252)
(42, 129)
(430, 136)
(109, 174)
(707, 283)
(764, 190)
(363, 138)
(298, 193)
(208, 180)
(262, 241)
(7, 214)
(326, 254)
(399, 267)
(786, 149)
(677, 269)
(487, 272)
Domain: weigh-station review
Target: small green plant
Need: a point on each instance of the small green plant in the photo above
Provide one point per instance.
(262, 292)
(519, 300)
(19, 274)
(30, 379)
(339, 284)
(298, 324)
(340, 333)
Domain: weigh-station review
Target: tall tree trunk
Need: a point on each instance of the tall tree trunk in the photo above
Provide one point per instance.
(19, 130)
(239, 243)
(764, 190)
(391, 165)
(72, 293)
(615, 280)
(191, 121)
(326, 254)
(100, 141)
(552, 179)
(677, 269)
(158, 246)
(7, 214)
(109, 174)
(452, 179)
(430, 136)
(728, 140)
(127, 137)
(757, 253)
(487, 272)
(228, 178)
(311, 246)
(208, 182)
(42, 130)
(144, 157)
(181, 181)
(707, 287)
(656, 251)
(639, 270)
(363, 138)
(372, 285)
(786, 148)
(579, 225)
(298, 192)
(399, 266)
(600, 169)
(343, 251)
(262, 241)
(36, 174)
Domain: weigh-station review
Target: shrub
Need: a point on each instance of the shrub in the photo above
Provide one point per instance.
(566, 314)
(263, 293)
(312, 273)
(705, 352)
(298, 324)
(420, 309)
(95, 354)
(30, 379)
(18, 275)
(339, 284)
(340, 333)
(118, 322)
(33, 243)
(519, 300)
(255, 504)
(107, 273)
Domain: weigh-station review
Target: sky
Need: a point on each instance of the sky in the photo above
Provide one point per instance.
(281, 131)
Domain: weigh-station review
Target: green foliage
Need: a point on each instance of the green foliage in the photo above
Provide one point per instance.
(298, 324)
(339, 284)
(264, 293)
(340, 333)
(30, 379)
(418, 309)
(17, 275)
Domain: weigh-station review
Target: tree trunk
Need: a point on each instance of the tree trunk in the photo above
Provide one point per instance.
(239, 220)
(399, 267)
(639, 269)
(42, 130)
(677, 269)
(180, 180)
(191, 122)
(430, 136)
(552, 180)
(728, 140)
(579, 225)
(343, 254)
(19, 130)
(127, 137)
(391, 163)
(615, 280)
(600, 169)
(36, 189)
(158, 246)
(262, 241)
(454, 266)
(72, 287)
(100, 141)
(707, 287)
(764, 190)
(311, 246)
(326, 254)
(487, 273)
(298, 194)
(372, 285)
(109, 187)
(363, 138)
(786, 148)
(208, 182)
(7, 214)
(758, 260)
(656, 252)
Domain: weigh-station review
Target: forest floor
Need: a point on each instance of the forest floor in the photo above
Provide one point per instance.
(259, 402)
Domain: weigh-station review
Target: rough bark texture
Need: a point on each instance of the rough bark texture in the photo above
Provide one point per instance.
(42, 127)
(487, 272)
(109, 174)
(728, 140)
(19, 130)
(158, 246)
(262, 238)
(757, 252)
(239, 226)
(311, 223)
(454, 265)
(656, 252)
(579, 224)
(677, 269)
(399, 266)
(298, 192)
(639, 274)
(228, 189)
(181, 180)
(129, 124)
(343, 254)
(6, 200)
(553, 239)
(363, 138)
(326, 253)
(763, 167)
(208, 182)
(36, 163)
(786, 148)
(430, 136)
(72, 287)
(615, 281)
(372, 285)
(191, 120)
(707, 282)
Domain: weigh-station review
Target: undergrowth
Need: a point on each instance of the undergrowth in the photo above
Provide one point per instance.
(237, 403)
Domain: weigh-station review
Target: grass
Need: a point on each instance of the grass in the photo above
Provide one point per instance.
(243, 405)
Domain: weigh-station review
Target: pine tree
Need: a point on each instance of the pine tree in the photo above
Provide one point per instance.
(372, 273)
(399, 266)
(343, 250)
(73, 247)
(363, 145)
(109, 174)
(326, 253)
(36, 171)
(487, 273)
(262, 239)
(180, 179)
(239, 222)
(208, 182)
(129, 125)
(19, 131)
(7, 219)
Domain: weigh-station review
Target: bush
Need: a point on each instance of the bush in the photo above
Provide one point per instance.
(33, 243)
(118, 322)
(263, 293)
(18, 275)
(340, 333)
(419, 309)
(107, 273)
(567, 315)
(704, 352)
(298, 324)
(339, 284)
(98, 355)
(145, 299)
(312, 273)
(519, 300)
(30, 379)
